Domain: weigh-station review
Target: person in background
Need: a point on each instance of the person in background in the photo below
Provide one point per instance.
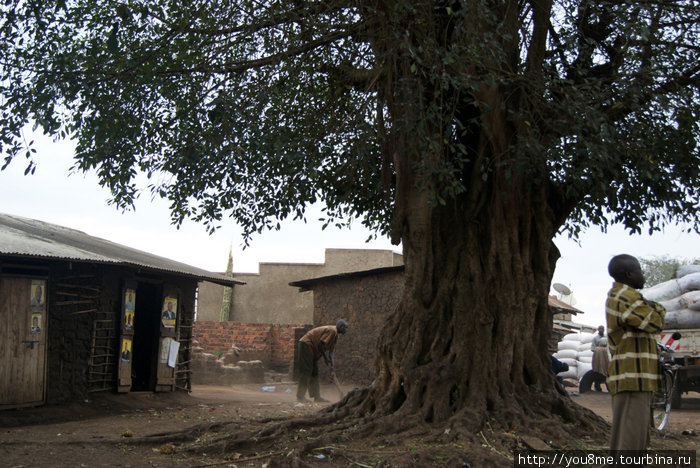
(601, 360)
(316, 343)
(633, 374)
(598, 337)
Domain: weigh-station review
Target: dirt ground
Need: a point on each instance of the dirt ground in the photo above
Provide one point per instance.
(128, 430)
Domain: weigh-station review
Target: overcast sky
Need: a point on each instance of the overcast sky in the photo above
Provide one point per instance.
(78, 202)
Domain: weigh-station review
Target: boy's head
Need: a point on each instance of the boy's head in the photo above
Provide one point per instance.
(625, 269)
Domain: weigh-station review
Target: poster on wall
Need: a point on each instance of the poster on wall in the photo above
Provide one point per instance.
(169, 314)
(38, 295)
(129, 300)
(165, 350)
(36, 324)
(126, 350)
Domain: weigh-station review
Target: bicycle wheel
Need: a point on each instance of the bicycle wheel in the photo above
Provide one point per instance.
(661, 403)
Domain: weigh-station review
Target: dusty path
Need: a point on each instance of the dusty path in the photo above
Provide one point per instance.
(103, 431)
(686, 418)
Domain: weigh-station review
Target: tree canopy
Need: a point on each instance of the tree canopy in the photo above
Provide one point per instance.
(472, 131)
(253, 110)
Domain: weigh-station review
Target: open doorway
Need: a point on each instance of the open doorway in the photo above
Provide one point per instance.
(146, 334)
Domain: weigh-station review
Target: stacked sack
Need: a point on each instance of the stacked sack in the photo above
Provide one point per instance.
(680, 297)
(575, 350)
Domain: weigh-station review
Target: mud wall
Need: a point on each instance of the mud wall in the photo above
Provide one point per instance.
(273, 344)
(74, 290)
(365, 302)
(84, 328)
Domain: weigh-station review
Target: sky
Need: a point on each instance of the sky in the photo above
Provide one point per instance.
(77, 201)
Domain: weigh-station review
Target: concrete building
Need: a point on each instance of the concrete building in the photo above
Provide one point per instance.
(267, 296)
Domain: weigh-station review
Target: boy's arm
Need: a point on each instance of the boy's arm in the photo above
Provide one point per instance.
(643, 315)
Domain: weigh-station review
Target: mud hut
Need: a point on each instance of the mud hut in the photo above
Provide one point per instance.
(79, 314)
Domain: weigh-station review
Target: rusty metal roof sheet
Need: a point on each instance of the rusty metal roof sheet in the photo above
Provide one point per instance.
(24, 237)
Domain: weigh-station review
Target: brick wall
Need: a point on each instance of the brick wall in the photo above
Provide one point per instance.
(273, 344)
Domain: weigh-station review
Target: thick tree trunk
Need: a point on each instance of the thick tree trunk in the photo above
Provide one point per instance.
(469, 338)
(470, 335)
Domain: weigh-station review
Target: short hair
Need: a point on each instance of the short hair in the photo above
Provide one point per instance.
(621, 264)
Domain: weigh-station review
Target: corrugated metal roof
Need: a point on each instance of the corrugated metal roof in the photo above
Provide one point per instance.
(308, 284)
(24, 237)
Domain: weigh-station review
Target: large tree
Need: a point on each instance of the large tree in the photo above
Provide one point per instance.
(470, 131)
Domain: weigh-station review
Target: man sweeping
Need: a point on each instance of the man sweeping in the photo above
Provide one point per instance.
(318, 342)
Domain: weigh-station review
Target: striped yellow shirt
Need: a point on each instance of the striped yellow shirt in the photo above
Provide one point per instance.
(633, 323)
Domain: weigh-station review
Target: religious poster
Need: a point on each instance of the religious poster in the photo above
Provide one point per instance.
(36, 324)
(126, 350)
(129, 300)
(169, 314)
(38, 295)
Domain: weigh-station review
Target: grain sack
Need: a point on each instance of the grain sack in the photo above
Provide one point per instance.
(566, 354)
(584, 347)
(683, 319)
(572, 337)
(689, 282)
(662, 291)
(571, 362)
(572, 373)
(587, 337)
(566, 344)
(689, 300)
(582, 368)
(684, 270)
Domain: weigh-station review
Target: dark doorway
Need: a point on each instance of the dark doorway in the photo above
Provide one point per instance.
(146, 332)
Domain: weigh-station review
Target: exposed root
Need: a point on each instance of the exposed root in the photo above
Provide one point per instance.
(336, 434)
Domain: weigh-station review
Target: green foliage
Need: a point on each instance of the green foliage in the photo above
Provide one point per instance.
(253, 110)
(662, 268)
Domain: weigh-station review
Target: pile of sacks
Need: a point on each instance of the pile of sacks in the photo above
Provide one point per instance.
(575, 350)
(680, 297)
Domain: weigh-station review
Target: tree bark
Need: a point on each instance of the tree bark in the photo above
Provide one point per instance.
(469, 337)
(470, 334)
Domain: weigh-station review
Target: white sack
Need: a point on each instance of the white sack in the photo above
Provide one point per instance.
(672, 288)
(689, 300)
(570, 374)
(584, 359)
(686, 270)
(683, 319)
(582, 368)
(572, 337)
(566, 354)
(587, 337)
(585, 353)
(566, 344)
(584, 347)
(571, 362)
(690, 282)
(662, 291)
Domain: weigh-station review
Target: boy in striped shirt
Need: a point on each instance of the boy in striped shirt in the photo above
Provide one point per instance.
(633, 375)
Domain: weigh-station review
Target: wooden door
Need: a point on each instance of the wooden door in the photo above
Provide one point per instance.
(23, 321)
